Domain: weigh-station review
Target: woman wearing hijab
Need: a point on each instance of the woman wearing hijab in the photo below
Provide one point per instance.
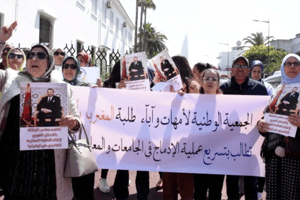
(16, 59)
(83, 58)
(35, 174)
(283, 167)
(59, 56)
(83, 186)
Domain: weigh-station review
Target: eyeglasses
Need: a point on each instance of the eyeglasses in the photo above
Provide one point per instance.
(13, 56)
(39, 55)
(56, 53)
(236, 66)
(289, 64)
(66, 66)
(213, 79)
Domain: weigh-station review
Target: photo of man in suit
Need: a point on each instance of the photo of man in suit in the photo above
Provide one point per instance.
(288, 103)
(49, 109)
(136, 70)
(167, 68)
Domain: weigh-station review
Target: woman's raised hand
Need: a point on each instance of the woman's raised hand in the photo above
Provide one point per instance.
(6, 32)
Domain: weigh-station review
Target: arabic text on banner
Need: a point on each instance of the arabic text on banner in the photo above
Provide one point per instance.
(161, 131)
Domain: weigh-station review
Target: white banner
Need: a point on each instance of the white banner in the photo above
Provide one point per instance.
(155, 131)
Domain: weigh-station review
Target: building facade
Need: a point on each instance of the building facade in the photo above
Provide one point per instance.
(226, 58)
(82, 23)
(291, 45)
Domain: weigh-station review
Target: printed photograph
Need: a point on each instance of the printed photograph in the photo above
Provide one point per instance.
(42, 104)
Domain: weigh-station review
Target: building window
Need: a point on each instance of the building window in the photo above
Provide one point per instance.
(45, 31)
(117, 26)
(79, 46)
(104, 12)
(94, 7)
(111, 20)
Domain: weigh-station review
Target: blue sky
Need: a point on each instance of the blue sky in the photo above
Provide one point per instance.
(206, 23)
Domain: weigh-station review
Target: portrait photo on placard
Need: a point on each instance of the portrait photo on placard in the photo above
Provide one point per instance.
(134, 67)
(42, 104)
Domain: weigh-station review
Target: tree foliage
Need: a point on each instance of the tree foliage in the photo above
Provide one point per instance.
(152, 40)
(257, 39)
(260, 52)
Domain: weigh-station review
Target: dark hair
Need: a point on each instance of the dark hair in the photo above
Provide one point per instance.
(50, 89)
(202, 66)
(203, 74)
(114, 77)
(184, 69)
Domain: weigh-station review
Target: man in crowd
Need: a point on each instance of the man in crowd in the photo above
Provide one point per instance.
(256, 73)
(241, 84)
(49, 108)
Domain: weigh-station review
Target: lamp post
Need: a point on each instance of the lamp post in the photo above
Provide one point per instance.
(268, 37)
(207, 57)
(227, 55)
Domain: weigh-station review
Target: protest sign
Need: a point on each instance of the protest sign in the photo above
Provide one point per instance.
(284, 103)
(165, 70)
(134, 71)
(172, 133)
(42, 105)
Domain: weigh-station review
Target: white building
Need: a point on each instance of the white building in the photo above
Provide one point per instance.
(93, 23)
(224, 57)
(291, 45)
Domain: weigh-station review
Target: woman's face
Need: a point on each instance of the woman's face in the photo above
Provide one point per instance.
(15, 59)
(69, 69)
(197, 73)
(37, 61)
(194, 87)
(210, 82)
(59, 56)
(292, 67)
(82, 61)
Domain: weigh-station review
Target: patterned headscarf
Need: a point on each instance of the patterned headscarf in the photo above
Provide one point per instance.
(50, 66)
(284, 78)
(74, 81)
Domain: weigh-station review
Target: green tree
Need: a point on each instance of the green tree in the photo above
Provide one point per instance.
(260, 52)
(257, 39)
(152, 40)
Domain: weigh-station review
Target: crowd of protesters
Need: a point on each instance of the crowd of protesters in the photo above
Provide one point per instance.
(39, 175)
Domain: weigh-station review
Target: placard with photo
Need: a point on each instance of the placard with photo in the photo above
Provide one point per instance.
(134, 71)
(42, 105)
(165, 70)
(285, 102)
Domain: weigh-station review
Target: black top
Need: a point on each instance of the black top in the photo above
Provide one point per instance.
(249, 87)
(24, 174)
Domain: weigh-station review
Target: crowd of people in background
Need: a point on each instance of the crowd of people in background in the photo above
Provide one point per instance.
(38, 175)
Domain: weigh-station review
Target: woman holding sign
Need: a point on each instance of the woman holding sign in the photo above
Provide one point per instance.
(34, 174)
(282, 154)
(213, 184)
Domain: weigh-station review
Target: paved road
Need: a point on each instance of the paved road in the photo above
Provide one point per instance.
(154, 194)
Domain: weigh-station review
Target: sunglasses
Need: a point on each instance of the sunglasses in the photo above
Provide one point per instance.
(66, 66)
(236, 66)
(210, 79)
(39, 55)
(13, 56)
(56, 53)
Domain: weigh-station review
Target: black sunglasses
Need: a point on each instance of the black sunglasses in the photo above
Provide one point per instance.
(39, 55)
(66, 66)
(56, 53)
(13, 56)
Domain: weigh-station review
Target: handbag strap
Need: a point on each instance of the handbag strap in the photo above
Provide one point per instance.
(80, 132)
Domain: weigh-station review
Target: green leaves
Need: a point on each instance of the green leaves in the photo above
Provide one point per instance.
(260, 52)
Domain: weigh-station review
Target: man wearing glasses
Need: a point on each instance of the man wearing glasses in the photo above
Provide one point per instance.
(241, 84)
